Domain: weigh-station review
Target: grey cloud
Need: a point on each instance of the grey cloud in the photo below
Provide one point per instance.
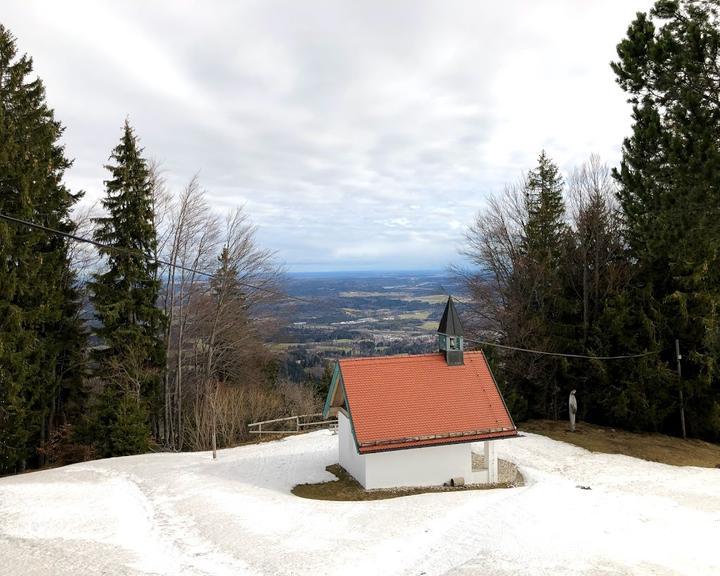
(357, 134)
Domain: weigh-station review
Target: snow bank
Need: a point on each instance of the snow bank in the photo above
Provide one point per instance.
(185, 514)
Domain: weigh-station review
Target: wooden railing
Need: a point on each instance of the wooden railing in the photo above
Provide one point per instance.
(295, 425)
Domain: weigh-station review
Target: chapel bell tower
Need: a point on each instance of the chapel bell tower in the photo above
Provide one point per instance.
(450, 335)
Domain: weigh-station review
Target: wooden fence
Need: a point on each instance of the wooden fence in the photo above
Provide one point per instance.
(293, 425)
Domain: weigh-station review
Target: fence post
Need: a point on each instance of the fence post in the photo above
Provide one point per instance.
(260, 431)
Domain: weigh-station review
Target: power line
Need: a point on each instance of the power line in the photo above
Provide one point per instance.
(558, 354)
(561, 354)
(287, 296)
(144, 255)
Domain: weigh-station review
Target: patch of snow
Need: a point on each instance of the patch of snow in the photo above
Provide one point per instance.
(168, 514)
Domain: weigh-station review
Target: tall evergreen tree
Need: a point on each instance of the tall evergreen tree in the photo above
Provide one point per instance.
(41, 337)
(598, 272)
(538, 311)
(125, 296)
(546, 230)
(670, 193)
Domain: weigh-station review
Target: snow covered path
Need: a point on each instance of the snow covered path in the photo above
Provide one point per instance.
(174, 514)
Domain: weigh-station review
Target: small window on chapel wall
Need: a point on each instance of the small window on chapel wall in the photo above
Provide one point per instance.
(452, 343)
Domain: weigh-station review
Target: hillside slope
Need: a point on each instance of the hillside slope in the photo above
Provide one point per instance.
(185, 514)
(653, 447)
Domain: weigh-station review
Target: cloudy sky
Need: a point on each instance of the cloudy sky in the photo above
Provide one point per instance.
(358, 134)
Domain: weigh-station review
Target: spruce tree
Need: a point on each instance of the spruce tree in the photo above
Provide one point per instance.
(546, 230)
(598, 276)
(125, 294)
(230, 326)
(541, 306)
(41, 336)
(670, 193)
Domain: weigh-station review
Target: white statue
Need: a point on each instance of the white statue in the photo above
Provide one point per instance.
(572, 408)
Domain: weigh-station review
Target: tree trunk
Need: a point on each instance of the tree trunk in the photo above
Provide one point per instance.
(586, 301)
(214, 428)
(178, 368)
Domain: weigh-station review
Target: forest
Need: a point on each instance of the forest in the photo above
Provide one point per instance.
(149, 335)
(154, 333)
(622, 261)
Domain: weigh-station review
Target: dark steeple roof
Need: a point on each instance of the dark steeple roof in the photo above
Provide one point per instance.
(450, 322)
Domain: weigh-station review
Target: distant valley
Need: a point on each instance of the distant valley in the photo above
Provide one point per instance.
(361, 314)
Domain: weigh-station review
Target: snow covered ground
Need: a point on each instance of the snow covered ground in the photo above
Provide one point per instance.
(185, 514)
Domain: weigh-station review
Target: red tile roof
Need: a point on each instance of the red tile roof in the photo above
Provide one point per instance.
(411, 401)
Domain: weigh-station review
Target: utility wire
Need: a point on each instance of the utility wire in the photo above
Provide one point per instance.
(561, 354)
(288, 297)
(144, 255)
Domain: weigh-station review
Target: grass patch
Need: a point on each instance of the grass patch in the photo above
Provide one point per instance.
(362, 294)
(653, 447)
(431, 299)
(404, 296)
(282, 345)
(418, 315)
(347, 489)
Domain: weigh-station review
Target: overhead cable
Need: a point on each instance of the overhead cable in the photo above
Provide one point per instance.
(561, 354)
(295, 298)
(144, 255)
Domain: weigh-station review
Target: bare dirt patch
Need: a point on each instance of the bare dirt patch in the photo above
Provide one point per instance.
(652, 447)
(347, 489)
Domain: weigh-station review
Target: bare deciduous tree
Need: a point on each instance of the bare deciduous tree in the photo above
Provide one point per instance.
(494, 246)
(218, 321)
(84, 257)
(597, 268)
(530, 302)
(245, 279)
(192, 240)
(219, 312)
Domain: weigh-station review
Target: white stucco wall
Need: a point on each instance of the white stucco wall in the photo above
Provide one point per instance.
(430, 466)
(353, 462)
